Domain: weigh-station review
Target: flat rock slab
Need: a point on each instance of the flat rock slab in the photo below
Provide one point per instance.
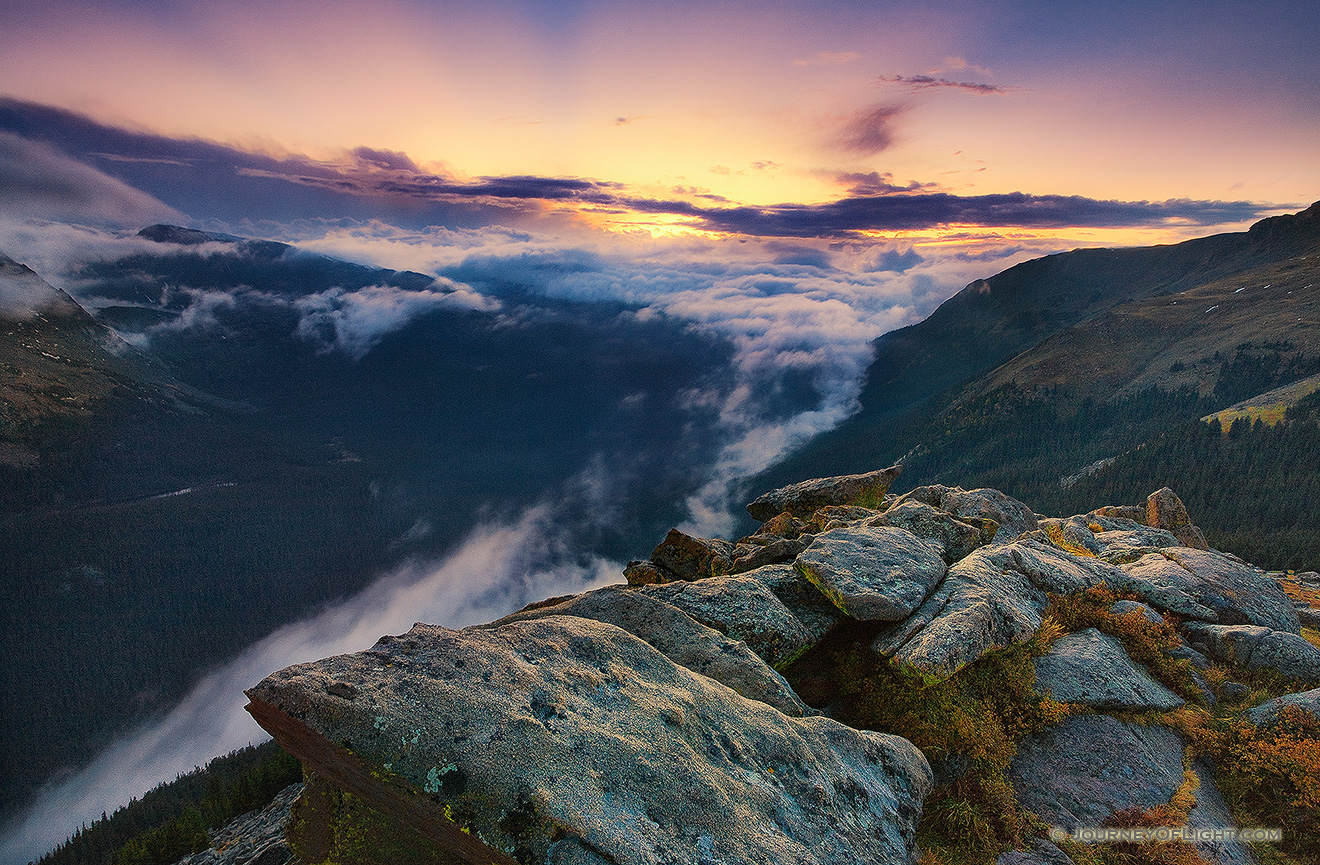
(681, 638)
(805, 498)
(1211, 812)
(815, 612)
(873, 573)
(569, 740)
(1211, 587)
(1084, 769)
(955, 536)
(1042, 852)
(1094, 669)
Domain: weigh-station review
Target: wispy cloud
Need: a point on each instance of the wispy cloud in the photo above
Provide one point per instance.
(869, 131)
(355, 321)
(828, 58)
(39, 182)
(930, 82)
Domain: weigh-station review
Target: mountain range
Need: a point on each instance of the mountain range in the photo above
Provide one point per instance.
(1061, 379)
(229, 434)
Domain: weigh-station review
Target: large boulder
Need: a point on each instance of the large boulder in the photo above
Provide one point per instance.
(692, 558)
(681, 638)
(1094, 669)
(568, 740)
(1164, 510)
(1083, 770)
(805, 498)
(956, 537)
(994, 598)
(1011, 517)
(873, 573)
(1267, 713)
(815, 612)
(1257, 648)
(1210, 587)
(741, 607)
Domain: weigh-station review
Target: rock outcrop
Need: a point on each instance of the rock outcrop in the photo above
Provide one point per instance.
(807, 497)
(1093, 669)
(1090, 766)
(254, 838)
(653, 722)
(564, 739)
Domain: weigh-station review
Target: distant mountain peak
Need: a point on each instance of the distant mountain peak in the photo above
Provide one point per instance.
(162, 233)
(24, 294)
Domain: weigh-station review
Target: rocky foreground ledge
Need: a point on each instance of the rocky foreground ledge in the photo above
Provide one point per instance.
(653, 722)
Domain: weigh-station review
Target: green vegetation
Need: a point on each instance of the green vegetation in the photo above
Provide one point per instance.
(172, 820)
(331, 827)
(968, 726)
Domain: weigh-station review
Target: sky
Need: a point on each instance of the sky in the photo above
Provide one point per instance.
(1075, 123)
(794, 178)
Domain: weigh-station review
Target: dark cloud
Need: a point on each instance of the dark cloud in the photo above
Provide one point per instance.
(896, 260)
(37, 181)
(225, 183)
(875, 183)
(796, 253)
(929, 82)
(388, 159)
(928, 210)
(869, 131)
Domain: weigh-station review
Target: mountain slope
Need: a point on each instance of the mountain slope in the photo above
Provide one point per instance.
(61, 367)
(992, 321)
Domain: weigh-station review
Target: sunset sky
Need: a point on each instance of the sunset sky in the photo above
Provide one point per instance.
(1117, 123)
(787, 181)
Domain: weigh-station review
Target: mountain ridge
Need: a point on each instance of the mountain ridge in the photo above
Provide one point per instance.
(919, 370)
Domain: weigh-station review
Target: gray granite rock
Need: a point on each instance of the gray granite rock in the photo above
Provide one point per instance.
(1164, 510)
(680, 638)
(1122, 608)
(1258, 648)
(1208, 586)
(1042, 852)
(741, 607)
(873, 573)
(776, 552)
(1094, 669)
(1267, 713)
(1011, 516)
(1087, 767)
(1234, 690)
(254, 838)
(805, 498)
(566, 728)
(956, 537)
(1211, 813)
(815, 612)
(993, 598)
